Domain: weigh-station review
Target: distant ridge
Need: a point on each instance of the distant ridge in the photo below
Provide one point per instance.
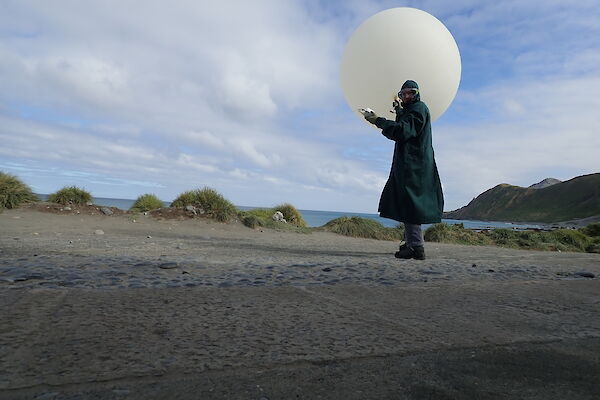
(576, 198)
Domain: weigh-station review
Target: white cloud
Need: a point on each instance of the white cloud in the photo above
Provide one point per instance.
(551, 128)
(245, 97)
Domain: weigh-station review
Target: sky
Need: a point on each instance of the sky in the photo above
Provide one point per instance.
(128, 97)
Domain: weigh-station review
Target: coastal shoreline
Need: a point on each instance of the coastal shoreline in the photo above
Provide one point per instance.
(153, 308)
(316, 218)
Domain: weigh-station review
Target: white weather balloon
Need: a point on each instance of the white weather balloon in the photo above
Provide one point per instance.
(393, 46)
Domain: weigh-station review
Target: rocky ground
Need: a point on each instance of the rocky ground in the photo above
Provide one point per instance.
(115, 306)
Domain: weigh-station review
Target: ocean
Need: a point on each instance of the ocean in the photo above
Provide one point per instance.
(315, 218)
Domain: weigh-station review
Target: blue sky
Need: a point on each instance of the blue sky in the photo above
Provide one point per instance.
(129, 97)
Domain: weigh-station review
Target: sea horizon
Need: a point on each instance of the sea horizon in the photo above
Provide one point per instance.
(316, 218)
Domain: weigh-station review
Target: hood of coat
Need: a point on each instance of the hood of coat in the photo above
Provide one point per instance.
(411, 85)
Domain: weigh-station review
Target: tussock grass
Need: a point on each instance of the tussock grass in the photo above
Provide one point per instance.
(593, 246)
(263, 217)
(259, 217)
(571, 239)
(146, 202)
(559, 239)
(291, 214)
(592, 230)
(363, 228)
(252, 221)
(209, 200)
(70, 195)
(449, 233)
(13, 192)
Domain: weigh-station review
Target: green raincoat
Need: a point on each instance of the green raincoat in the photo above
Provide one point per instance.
(413, 193)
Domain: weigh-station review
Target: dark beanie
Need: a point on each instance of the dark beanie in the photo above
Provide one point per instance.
(410, 85)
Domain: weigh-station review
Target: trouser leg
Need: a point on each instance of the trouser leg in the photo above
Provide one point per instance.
(413, 235)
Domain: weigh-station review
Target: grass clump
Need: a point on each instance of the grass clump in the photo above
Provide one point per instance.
(263, 217)
(593, 246)
(571, 239)
(559, 239)
(364, 228)
(518, 239)
(454, 233)
(291, 214)
(252, 221)
(592, 230)
(209, 200)
(146, 202)
(70, 195)
(13, 192)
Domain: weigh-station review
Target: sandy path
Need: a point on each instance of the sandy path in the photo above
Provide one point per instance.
(327, 317)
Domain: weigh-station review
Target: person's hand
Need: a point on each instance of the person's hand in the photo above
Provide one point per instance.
(371, 117)
(395, 105)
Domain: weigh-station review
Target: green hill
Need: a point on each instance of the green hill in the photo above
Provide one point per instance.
(573, 199)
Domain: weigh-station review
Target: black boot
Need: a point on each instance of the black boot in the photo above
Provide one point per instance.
(407, 252)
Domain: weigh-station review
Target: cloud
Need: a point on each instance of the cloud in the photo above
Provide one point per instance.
(543, 129)
(245, 97)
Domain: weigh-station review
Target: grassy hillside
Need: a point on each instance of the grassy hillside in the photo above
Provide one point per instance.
(572, 199)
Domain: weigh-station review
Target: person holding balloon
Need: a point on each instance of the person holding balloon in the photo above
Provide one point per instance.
(413, 192)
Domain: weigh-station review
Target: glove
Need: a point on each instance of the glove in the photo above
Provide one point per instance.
(371, 117)
(395, 105)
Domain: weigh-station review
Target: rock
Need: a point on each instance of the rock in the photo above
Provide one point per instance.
(67, 208)
(491, 270)
(98, 232)
(278, 217)
(474, 265)
(89, 203)
(148, 237)
(191, 209)
(545, 183)
(106, 211)
(585, 274)
(326, 269)
(167, 265)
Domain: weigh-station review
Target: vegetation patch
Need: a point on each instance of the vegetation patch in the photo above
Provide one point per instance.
(572, 240)
(593, 246)
(291, 214)
(263, 217)
(71, 195)
(454, 233)
(559, 239)
(210, 201)
(146, 202)
(364, 228)
(13, 192)
(592, 230)
(252, 221)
